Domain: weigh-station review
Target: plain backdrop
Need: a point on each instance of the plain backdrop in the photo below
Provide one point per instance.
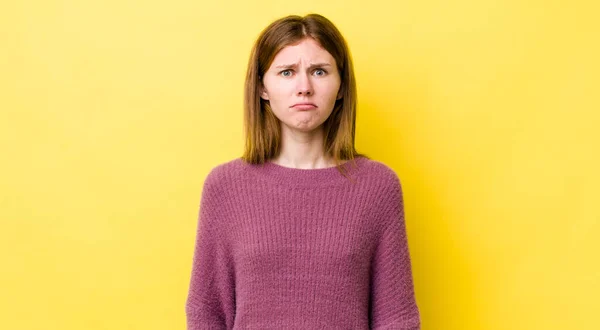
(113, 112)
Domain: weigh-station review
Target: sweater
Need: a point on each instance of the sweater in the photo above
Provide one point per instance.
(286, 248)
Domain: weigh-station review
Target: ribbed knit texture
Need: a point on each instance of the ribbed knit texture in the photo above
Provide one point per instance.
(286, 248)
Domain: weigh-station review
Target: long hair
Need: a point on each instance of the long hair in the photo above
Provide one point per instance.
(262, 128)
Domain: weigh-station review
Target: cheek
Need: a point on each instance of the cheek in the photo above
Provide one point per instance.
(331, 87)
(278, 102)
(277, 92)
(331, 94)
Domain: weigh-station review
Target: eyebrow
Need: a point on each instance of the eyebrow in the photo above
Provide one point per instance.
(288, 66)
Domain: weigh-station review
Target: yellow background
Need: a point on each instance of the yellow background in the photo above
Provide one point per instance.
(113, 112)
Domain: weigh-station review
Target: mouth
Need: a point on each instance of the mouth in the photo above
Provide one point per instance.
(304, 106)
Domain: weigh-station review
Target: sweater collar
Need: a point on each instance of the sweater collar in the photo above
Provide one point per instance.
(283, 175)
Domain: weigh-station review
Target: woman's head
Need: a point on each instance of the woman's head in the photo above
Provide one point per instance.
(301, 85)
(300, 60)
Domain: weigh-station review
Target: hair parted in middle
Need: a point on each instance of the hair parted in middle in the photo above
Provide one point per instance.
(262, 127)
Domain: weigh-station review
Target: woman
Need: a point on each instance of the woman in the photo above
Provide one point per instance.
(290, 236)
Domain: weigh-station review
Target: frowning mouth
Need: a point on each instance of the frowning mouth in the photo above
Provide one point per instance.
(304, 106)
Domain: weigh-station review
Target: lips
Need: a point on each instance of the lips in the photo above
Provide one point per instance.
(304, 106)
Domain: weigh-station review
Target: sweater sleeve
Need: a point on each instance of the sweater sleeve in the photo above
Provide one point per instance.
(210, 303)
(393, 304)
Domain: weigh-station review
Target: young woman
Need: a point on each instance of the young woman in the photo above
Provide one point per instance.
(290, 236)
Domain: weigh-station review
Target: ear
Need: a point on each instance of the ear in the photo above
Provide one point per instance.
(339, 94)
(263, 93)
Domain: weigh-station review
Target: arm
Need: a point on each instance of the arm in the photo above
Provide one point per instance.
(393, 303)
(210, 303)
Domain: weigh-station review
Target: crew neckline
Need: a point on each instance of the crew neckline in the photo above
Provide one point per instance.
(305, 177)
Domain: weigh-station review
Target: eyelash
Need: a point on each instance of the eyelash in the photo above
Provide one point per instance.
(324, 71)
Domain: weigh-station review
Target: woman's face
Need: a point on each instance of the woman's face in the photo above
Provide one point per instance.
(303, 73)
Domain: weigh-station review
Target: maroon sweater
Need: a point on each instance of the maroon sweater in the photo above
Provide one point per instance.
(286, 248)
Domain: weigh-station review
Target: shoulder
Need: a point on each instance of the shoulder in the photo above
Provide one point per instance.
(380, 172)
(384, 186)
(223, 174)
(379, 168)
(384, 193)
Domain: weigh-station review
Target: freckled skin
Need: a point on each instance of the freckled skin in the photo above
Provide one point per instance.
(285, 86)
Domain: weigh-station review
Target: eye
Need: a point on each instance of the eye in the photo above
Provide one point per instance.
(323, 72)
(283, 73)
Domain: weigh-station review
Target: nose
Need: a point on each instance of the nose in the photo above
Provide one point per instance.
(304, 85)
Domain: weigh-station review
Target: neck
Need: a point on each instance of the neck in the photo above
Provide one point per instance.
(302, 150)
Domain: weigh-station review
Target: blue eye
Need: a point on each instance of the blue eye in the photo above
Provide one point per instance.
(288, 72)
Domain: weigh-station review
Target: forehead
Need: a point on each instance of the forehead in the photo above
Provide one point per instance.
(307, 49)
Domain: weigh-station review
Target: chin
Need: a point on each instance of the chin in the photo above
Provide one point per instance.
(304, 128)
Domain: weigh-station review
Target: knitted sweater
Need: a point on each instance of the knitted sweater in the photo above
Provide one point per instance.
(286, 248)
